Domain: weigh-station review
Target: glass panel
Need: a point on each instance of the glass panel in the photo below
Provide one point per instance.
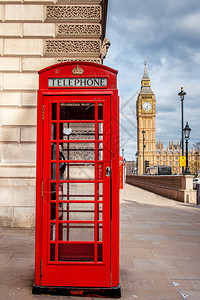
(100, 212)
(53, 131)
(100, 151)
(54, 111)
(100, 131)
(77, 131)
(78, 191)
(52, 232)
(77, 211)
(53, 191)
(99, 252)
(53, 211)
(52, 252)
(79, 151)
(99, 232)
(78, 172)
(100, 111)
(100, 191)
(53, 171)
(76, 232)
(76, 252)
(77, 111)
(53, 151)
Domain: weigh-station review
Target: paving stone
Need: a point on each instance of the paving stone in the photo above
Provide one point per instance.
(158, 247)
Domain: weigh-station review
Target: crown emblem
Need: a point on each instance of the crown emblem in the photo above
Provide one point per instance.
(77, 71)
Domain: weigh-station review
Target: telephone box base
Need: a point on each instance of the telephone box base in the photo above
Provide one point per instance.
(114, 292)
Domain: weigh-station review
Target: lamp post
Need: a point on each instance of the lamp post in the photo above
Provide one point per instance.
(187, 131)
(196, 173)
(143, 132)
(182, 94)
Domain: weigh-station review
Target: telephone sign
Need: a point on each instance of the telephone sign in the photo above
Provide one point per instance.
(77, 82)
(77, 205)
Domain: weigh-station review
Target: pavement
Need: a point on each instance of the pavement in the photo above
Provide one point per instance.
(159, 245)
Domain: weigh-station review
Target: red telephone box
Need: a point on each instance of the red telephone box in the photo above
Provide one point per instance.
(77, 205)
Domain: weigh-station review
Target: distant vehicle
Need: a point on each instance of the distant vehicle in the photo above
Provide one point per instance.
(195, 182)
(159, 170)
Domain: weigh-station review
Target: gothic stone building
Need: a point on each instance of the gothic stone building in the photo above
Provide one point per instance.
(34, 35)
(147, 148)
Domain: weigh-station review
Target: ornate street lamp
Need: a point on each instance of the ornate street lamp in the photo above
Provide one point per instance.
(182, 94)
(187, 131)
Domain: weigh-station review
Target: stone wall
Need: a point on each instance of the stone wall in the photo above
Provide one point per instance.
(175, 187)
(33, 35)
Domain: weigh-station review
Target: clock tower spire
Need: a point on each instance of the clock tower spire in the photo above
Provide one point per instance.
(146, 112)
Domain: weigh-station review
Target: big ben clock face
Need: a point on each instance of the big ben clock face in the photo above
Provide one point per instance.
(147, 106)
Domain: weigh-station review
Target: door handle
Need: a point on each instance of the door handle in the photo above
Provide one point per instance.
(108, 171)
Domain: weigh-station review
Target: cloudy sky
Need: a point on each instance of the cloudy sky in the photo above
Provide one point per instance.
(166, 34)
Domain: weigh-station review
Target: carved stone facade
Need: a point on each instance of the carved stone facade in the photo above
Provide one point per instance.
(74, 12)
(35, 35)
(72, 46)
(78, 29)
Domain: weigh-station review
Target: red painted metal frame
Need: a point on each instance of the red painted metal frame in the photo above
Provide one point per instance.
(90, 71)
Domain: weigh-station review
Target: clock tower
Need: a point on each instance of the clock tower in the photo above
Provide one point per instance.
(146, 113)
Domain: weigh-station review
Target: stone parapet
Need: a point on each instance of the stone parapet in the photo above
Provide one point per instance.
(175, 187)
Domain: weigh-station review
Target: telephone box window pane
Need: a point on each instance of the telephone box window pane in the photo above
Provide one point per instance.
(99, 232)
(77, 131)
(99, 252)
(78, 191)
(77, 211)
(53, 131)
(79, 151)
(52, 232)
(52, 252)
(100, 189)
(100, 151)
(53, 151)
(53, 171)
(62, 168)
(53, 191)
(53, 211)
(100, 212)
(76, 232)
(54, 111)
(100, 131)
(77, 111)
(78, 172)
(76, 252)
(100, 111)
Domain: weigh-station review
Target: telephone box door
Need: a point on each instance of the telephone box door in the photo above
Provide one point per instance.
(76, 192)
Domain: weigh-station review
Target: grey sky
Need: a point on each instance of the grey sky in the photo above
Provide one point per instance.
(166, 34)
